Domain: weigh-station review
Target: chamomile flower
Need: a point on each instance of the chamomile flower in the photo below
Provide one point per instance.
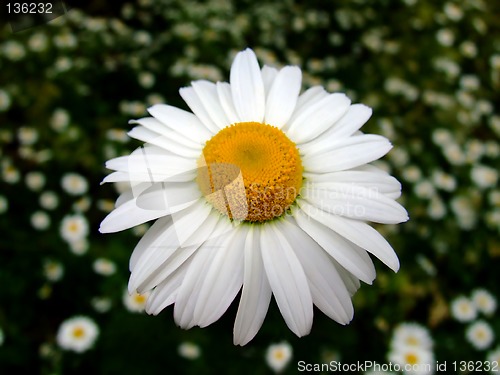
(262, 190)
(135, 302)
(74, 184)
(77, 334)
(278, 356)
(189, 350)
(412, 334)
(480, 335)
(103, 266)
(484, 301)
(463, 310)
(74, 228)
(53, 270)
(413, 359)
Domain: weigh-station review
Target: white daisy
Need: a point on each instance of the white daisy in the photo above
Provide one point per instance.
(463, 310)
(101, 304)
(260, 189)
(135, 302)
(40, 220)
(480, 335)
(484, 301)
(77, 334)
(493, 357)
(74, 228)
(411, 334)
(53, 270)
(412, 359)
(74, 184)
(189, 350)
(278, 356)
(35, 180)
(103, 266)
(49, 200)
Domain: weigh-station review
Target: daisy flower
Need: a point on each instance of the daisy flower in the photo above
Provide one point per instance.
(278, 356)
(412, 334)
(135, 302)
(463, 310)
(261, 189)
(484, 301)
(189, 350)
(413, 359)
(77, 334)
(480, 335)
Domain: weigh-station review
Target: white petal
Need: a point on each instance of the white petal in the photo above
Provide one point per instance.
(226, 101)
(287, 280)
(146, 135)
(282, 96)
(358, 233)
(152, 164)
(247, 87)
(166, 292)
(349, 256)
(256, 292)
(158, 127)
(181, 121)
(268, 75)
(158, 250)
(187, 295)
(317, 117)
(168, 196)
(354, 201)
(329, 293)
(348, 153)
(372, 180)
(203, 100)
(353, 120)
(223, 280)
(311, 95)
(148, 278)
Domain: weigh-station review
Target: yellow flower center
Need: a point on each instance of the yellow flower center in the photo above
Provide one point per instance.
(250, 171)
(411, 359)
(78, 332)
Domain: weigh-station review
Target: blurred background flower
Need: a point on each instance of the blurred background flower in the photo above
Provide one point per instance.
(429, 69)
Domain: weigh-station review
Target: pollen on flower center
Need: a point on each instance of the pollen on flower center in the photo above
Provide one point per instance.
(250, 171)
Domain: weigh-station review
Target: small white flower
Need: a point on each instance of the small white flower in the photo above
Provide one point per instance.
(48, 200)
(53, 270)
(445, 37)
(38, 42)
(464, 211)
(146, 79)
(40, 220)
(4, 100)
(480, 335)
(77, 334)
(135, 302)
(34, 180)
(101, 304)
(74, 184)
(413, 359)
(463, 310)
(424, 189)
(494, 356)
(74, 228)
(189, 350)
(117, 135)
(412, 173)
(278, 356)
(103, 266)
(484, 301)
(60, 119)
(13, 50)
(10, 174)
(4, 204)
(66, 40)
(436, 209)
(453, 11)
(412, 334)
(27, 136)
(444, 181)
(79, 247)
(484, 176)
(82, 204)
